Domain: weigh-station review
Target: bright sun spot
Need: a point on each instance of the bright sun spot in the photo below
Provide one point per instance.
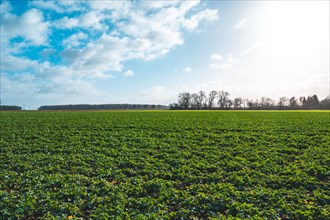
(295, 27)
(294, 33)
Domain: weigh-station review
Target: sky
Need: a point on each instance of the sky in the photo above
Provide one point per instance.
(147, 52)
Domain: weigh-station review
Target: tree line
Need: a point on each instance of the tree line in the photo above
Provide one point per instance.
(221, 100)
(10, 108)
(103, 107)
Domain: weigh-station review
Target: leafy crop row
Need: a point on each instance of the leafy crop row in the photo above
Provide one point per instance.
(164, 165)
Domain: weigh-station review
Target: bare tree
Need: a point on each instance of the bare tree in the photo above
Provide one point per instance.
(211, 98)
(229, 104)
(184, 100)
(250, 103)
(194, 101)
(270, 102)
(313, 101)
(282, 102)
(266, 103)
(238, 102)
(201, 99)
(302, 100)
(223, 99)
(263, 102)
(293, 102)
(325, 103)
(245, 103)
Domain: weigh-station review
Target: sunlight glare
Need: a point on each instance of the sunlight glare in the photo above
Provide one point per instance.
(294, 29)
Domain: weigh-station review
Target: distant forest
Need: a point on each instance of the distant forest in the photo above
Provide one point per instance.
(103, 107)
(221, 100)
(10, 108)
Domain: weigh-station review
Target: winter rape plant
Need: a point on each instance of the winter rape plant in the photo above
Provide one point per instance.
(165, 165)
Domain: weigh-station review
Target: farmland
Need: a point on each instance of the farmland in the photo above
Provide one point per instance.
(165, 165)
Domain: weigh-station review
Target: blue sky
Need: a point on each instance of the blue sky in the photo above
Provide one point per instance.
(146, 52)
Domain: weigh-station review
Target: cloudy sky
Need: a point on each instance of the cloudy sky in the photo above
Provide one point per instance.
(62, 52)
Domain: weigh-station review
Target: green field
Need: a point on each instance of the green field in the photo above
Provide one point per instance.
(165, 165)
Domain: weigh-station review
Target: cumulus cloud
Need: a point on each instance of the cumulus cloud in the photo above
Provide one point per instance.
(207, 14)
(75, 40)
(159, 4)
(91, 19)
(105, 54)
(60, 6)
(66, 22)
(110, 6)
(51, 5)
(53, 85)
(22, 84)
(99, 38)
(30, 26)
(129, 73)
(67, 86)
(149, 30)
(140, 36)
(9, 63)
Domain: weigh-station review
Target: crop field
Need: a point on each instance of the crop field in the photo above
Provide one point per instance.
(165, 165)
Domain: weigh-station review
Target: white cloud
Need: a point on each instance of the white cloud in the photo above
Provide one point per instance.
(91, 19)
(160, 37)
(187, 69)
(60, 6)
(186, 6)
(50, 84)
(105, 54)
(68, 86)
(30, 25)
(105, 35)
(66, 23)
(109, 5)
(115, 10)
(129, 73)
(227, 62)
(15, 85)
(159, 4)
(51, 5)
(141, 35)
(75, 40)
(148, 35)
(194, 20)
(241, 23)
(9, 63)
(147, 32)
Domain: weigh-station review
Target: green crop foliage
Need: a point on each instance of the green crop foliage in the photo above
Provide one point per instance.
(165, 165)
